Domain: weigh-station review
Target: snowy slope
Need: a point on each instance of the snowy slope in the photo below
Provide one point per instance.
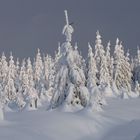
(120, 120)
(128, 112)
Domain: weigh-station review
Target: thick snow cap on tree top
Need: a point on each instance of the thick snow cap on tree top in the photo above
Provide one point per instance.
(68, 29)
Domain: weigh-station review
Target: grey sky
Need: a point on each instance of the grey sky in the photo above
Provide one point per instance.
(26, 25)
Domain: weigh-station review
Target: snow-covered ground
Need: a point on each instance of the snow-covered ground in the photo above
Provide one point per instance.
(120, 120)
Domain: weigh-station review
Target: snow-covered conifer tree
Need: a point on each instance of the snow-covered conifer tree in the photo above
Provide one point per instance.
(3, 70)
(17, 82)
(70, 80)
(9, 88)
(99, 52)
(104, 73)
(49, 69)
(51, 73)
(95, 95)
(128, 72)
(112, 70)
(29, 72)
(23, 77)
(122, 69)
(110, 62)
(38, 71)
(46, 69)
(108, 57)
(92, 70)
(32, 95)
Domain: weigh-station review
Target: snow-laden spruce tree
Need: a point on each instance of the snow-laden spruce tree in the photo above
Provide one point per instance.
(17, 70)
(32, 96)
(108, 56)
(69, 84)
(110, 62)
(29, 72)
(3, 70)
(49, 74)
(9, 89)
(95, 94)
(46, 69)
(104, 72)
(99, 53)
(105, 78)
(122, 71)
(20, 101)
(38, 71)
(49, 71)
(23, 78)
(92, 69)
(111, 69)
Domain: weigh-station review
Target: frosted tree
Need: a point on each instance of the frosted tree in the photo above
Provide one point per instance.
(3, 70)
(46, 69)
(23, 77)
(128, 72)
(123, 71)
(111, 70)
(29, 72)
(32, 98)
(69, 84)
(95, 95)
(104, 73)
(23, 93)
(117, 52)
(99, 52)
(51, 74)
(38, 71)
(110, 62)
(92, 70)
(32, 95)
(9, 88)
(105, 80)
(49, 69)
(20, 101)
(108, 57)
(17, 81)
(12, 68)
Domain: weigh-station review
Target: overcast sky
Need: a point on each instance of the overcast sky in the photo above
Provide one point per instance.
(26, 25)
